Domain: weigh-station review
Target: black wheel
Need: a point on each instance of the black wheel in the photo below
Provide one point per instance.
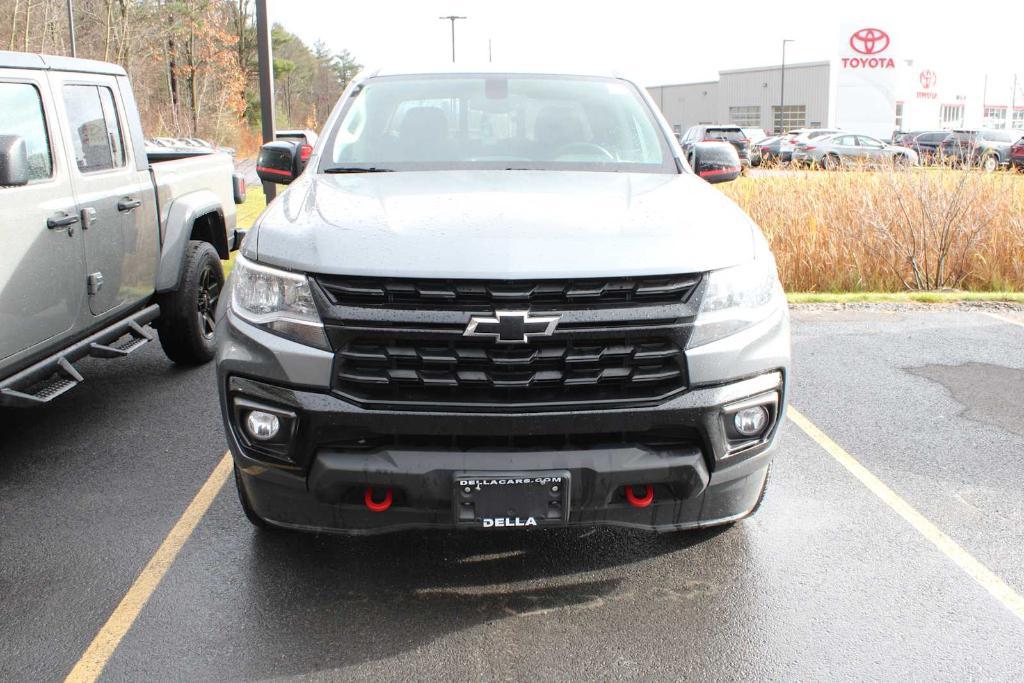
(900, 161)
(186, 321)
(250, 514)
(989, 163)
(831, 163)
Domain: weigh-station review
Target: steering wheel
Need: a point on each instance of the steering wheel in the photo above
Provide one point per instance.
(584, 148)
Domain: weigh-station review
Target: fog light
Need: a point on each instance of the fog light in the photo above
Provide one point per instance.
(751, 421)
(262, 426)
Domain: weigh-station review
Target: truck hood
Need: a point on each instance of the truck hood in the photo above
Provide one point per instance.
(502, 225)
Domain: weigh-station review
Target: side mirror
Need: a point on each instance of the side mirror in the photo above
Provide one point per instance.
(278, 162)
(716, 162)
(14, 170)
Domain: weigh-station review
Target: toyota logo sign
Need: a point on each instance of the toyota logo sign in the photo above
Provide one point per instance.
(927, 79)
(869, 41)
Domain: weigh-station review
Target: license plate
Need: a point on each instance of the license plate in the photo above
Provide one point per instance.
(510, 500)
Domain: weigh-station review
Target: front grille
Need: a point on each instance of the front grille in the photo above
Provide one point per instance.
(664, 439)
(481, 374)
(489, 294)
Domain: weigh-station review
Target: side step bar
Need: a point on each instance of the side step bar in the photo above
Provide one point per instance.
(56, 375)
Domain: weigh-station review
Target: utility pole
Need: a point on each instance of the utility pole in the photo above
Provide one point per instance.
(782, 90)
(1013, 101)
(71, 27)
(452, 18)
(264, 51)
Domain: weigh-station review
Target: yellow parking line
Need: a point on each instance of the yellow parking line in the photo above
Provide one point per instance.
(985, 577)
(102, 647)
(1004, 318)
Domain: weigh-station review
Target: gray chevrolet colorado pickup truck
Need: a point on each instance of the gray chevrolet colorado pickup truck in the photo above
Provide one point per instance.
(500, 299)
(98, 240)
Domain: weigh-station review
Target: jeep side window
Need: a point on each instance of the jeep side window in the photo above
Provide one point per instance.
(21, 113)
(96, 133)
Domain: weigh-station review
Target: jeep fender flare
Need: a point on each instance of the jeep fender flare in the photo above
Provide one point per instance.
(182, 215)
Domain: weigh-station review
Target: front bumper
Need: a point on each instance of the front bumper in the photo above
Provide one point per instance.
(318, 484)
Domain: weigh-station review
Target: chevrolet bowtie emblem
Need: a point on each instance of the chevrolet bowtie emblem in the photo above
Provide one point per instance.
(511, 327)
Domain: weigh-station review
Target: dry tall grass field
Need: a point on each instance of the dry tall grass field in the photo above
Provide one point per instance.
(892, 230)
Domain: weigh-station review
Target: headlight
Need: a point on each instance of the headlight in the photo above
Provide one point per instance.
(276, 300)
(737, 298)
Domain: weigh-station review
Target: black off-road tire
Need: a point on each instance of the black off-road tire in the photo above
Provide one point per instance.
(186, 315)
(243, 498)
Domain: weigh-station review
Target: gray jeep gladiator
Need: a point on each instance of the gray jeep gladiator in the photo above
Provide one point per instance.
(99, 241)
(498, 300)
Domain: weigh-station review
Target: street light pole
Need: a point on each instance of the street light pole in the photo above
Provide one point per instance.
(452, 18)
(71, 27)
(782, 89)
(265, 59)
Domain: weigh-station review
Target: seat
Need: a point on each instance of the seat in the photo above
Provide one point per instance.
(423, 135)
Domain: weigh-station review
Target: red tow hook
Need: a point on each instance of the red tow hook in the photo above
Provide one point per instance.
(643, 502)
(374, 505)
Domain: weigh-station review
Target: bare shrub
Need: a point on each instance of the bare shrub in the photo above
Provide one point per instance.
(891, 230)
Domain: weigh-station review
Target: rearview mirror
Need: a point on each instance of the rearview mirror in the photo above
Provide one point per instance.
(13, 161)
(716, 162)
(278, 162)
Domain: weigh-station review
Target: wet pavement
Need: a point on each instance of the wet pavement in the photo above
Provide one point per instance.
(826, 581)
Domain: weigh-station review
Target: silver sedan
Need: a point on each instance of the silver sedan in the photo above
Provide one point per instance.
(841, 149)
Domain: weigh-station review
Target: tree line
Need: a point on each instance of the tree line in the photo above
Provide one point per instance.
(193, 63)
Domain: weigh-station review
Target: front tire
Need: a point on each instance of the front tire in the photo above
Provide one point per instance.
(186, 322)
(989, 163)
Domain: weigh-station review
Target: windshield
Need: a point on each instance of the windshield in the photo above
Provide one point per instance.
(517, 122)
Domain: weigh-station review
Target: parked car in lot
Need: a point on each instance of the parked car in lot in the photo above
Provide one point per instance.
(836, 151)
(802, 135)
(99, 240)
(988, 149)
(734, 135)
(1017, 154)
(927, 144)
(766, 151)
(754, 134)
(557, 323)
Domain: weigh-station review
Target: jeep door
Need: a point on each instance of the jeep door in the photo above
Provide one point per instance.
(42, 274)
(107, 185)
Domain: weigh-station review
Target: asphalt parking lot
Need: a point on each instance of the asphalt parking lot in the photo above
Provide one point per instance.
(832, 579)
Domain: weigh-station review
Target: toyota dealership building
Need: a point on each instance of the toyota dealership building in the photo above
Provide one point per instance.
(870, 86)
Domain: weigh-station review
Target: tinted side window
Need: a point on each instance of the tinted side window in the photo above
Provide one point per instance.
(95, 131)
(21, 113)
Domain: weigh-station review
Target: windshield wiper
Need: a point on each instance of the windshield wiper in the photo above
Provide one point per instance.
(357, 169)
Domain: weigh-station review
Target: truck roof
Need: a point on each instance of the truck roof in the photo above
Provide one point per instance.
(28, 60)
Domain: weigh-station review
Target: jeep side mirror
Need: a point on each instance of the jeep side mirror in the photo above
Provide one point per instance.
(278, 162)
(716, 162)
(14, 169)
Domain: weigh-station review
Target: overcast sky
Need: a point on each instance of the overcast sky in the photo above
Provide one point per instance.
(666, 41)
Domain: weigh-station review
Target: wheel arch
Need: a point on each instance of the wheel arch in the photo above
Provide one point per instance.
(195, 216)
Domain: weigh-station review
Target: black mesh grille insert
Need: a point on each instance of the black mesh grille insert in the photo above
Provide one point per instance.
(668, 438)
(486, 294)
(480, 373)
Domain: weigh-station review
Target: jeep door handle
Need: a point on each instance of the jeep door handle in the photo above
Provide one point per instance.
(62, 221)
(128, 204)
